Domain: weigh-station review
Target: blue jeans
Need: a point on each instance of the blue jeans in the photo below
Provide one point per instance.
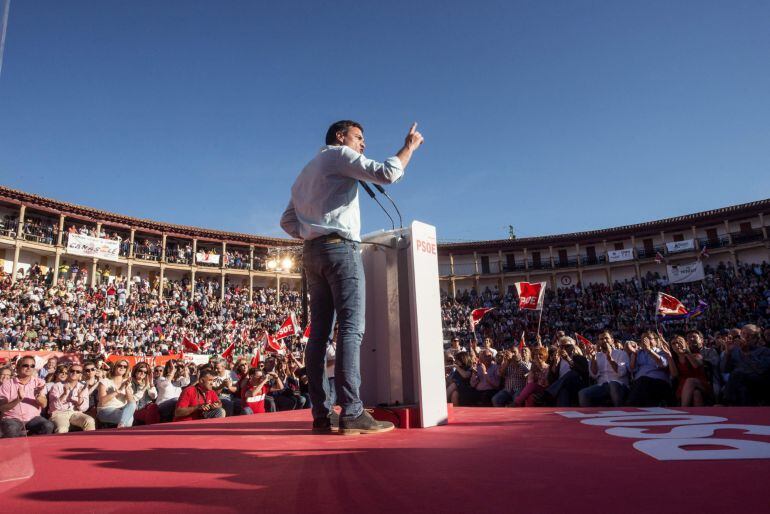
(597, 395)
(123, 417)
(503, 398)
(335, 276)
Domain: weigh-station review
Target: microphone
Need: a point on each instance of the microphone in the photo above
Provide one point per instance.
(382, 190)
(371, 193)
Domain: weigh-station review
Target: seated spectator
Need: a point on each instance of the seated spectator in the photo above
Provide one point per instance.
(225, 387)
(50, 367)
(748, 365)
(486, 379)
(6, 373)
(460, 391)
(254, 392)
(609, 367)
(21, 401)
(200, 401)
(537, 379)
(68, 402)
(91, 377)
(513, 372)
(649, 365)
(174, 377)
(57, 376)
(569, 373)
(116, 397)
(455, 347)
(145, 394)
(693, 386)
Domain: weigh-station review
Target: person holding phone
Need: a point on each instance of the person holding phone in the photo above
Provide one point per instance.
(200, 401)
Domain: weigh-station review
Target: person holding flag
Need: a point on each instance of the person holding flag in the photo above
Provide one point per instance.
(323, 211)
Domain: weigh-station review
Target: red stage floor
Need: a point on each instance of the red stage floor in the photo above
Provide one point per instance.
(488, 460)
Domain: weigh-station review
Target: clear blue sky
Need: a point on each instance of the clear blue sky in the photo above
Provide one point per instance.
(550, 116)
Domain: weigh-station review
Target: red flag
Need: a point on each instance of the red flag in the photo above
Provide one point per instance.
(190, 345)
(659, 258)
(255, 360)
(583, 341)
(228, 353)
(272, 344)
(289, 328)
(476, 316)
(668, 305)
(522, 342)
(306, 334)
(530, 295)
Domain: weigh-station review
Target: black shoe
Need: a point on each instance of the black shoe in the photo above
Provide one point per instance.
(364, 424)
(327, 425)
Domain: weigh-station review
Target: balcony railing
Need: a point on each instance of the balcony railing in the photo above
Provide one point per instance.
(544, 264)
(465, 269)
(8, 228)
(650, 253)
(40, 234)
(570, 262)
(747, 236)
(147, 252)
(519, 266)
(593, 261)
(237, 262)
(717, 242)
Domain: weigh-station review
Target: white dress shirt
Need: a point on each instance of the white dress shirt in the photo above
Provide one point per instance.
(324, 198)
(606, 373)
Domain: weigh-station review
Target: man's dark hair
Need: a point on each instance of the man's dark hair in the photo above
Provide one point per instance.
(340, 126)
(206, 372)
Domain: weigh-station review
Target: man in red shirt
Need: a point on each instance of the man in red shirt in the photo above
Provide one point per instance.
(199, 401)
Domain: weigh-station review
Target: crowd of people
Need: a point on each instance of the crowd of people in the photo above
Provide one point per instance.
(650, 371)
(622, 357)
(619, 354)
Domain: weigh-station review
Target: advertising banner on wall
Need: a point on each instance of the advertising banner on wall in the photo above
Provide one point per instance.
(87, 246)
(680, 246)
(620, 255)
(682, 273)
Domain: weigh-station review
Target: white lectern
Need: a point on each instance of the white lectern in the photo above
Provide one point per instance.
(402, 354)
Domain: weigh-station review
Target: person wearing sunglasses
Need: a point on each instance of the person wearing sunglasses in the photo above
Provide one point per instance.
(145, 393)
(116, 397)
(68, 402)
(21, 400)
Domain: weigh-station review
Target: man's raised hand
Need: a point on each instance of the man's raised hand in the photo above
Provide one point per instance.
(413, 139)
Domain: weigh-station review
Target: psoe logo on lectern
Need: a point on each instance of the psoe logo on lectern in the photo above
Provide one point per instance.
(426, 247)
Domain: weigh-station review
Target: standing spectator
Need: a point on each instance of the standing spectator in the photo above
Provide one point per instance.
(609, 367)
(21, 400)
(199, 401)
(68, 402)
(116, 397)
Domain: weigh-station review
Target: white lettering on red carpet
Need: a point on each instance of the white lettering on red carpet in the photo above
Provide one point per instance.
(691, 436)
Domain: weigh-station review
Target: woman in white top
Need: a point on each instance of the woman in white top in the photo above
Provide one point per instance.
(116, 397)
(169, 385)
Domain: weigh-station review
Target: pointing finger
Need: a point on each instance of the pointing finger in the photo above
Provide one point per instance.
(414, 127)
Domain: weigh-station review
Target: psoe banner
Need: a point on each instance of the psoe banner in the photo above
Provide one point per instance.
(681, 246)
(207, 258)
(620, 255)
(87, 246)
(682, 273)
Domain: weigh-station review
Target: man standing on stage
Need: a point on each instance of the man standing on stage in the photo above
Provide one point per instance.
(324, 212)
